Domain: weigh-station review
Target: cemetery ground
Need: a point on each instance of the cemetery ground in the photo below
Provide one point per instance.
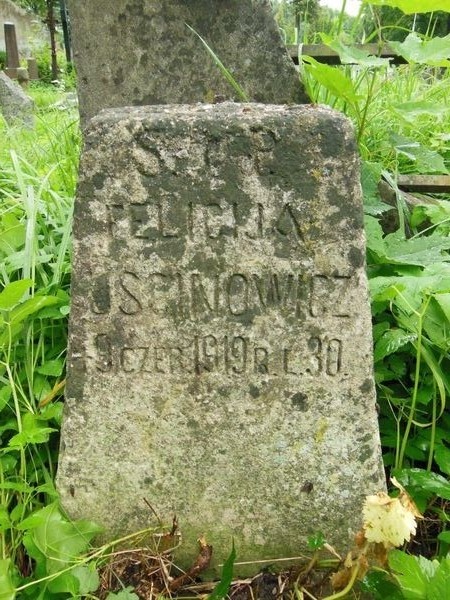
(402, 120)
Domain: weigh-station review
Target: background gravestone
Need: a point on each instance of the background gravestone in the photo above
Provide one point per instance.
(15, 105)
(141, 52)
(220, 348)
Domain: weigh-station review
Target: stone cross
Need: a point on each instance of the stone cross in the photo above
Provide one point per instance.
(142, 52)
(220, 348)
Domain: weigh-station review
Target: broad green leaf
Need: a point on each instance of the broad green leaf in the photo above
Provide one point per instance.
(41, 387)
(380, 586)
(374, 234)
(221, 589)
(51, 367)
(439, 587)
(444, 302)
(421, 251)
(5, 522)
(370, 178)
(65, 583)
(391, 341)
(5, 395)
(438, 213)
(411, 110)
(434, 52)
(444, 536)
(12, 234)
(408, 571)
(13, 293)
(33, 432)
(410, 7)
(88, 578)
(56, 542)
(7, 588)
(442, 458)
(334, 80)
(424, 480)
(352, 55)
(425, 160)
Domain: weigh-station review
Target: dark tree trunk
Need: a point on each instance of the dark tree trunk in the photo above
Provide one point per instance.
(51, 24)
(66, 30)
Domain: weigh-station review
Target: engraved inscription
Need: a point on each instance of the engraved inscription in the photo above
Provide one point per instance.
(229, 354)
(167, 220)
(195, 296)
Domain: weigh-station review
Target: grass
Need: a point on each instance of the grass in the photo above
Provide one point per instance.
(37, 183)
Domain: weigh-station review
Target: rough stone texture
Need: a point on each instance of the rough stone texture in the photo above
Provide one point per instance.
(141, 52)
(220, 348)
(15, 105)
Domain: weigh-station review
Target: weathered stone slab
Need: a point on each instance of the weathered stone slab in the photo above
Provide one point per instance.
(12, 50)
(141, 52)
(15, 105)
(220, 348)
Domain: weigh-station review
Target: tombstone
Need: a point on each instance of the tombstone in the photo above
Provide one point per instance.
(220, 359)
(15, 106)
(32, 69)
(12, 50)
(141, 52)
(22, 76)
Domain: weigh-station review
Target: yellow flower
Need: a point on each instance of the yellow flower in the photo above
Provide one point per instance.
(389, 521)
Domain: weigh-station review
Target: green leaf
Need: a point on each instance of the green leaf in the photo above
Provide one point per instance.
(442, 458)
(13, 293)
(421, 251)
(370, 178)
(126, 594)
(7, 588)
(423, 480)
(411, 576)
(380, 586)
(374, 234)
(53, 541)
(425, 160)
(88, 578)
(411, 110)
(221, 589)
(5, 395)
(410, 7)
(332, 79)
(12, 234)
(434, 52)
(444, 536)
(5, 522)
(391, 341)
(352, 55)
(439, 587)
(316, 541)
(51, 367)
(444, 302)
(33, 432)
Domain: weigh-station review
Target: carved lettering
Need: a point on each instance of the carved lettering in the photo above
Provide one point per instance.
(238, 294)
(229, 354)
(167, 221)
(103, 346)
(130, 303)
